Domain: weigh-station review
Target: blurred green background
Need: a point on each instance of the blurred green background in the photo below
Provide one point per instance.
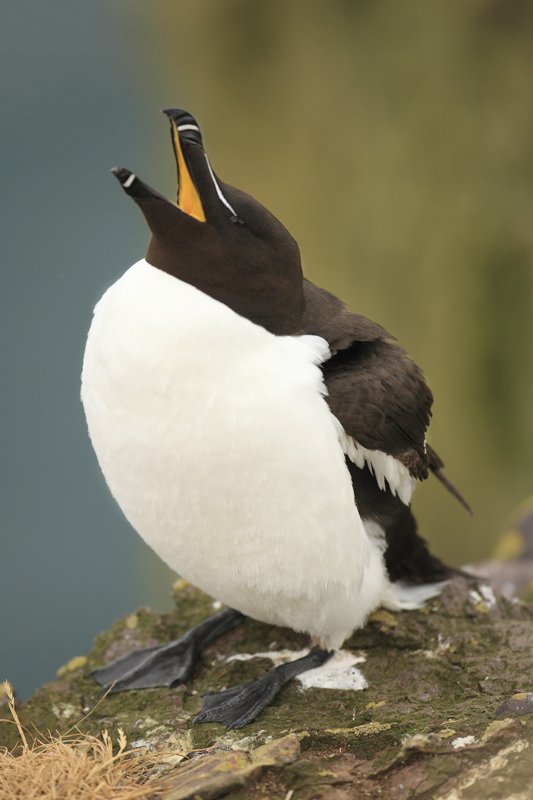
(395, 141)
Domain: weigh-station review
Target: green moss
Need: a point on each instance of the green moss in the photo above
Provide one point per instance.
(434, 676)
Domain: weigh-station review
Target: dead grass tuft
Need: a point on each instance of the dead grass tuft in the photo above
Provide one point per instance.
(74, 766)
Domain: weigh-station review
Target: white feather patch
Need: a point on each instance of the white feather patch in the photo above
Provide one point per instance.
(410, 597)
(385, 468)
(401, 596)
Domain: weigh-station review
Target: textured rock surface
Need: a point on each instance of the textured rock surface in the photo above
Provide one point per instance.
(447, 712)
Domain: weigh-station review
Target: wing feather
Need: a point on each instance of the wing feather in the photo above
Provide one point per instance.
(378, 394)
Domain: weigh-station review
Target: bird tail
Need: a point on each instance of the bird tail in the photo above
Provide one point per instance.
(436, 465)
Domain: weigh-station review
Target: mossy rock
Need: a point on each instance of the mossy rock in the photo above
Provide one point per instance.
(448, 703)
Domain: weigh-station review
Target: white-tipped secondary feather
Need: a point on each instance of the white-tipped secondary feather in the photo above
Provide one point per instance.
(216, 441)
(384, 467)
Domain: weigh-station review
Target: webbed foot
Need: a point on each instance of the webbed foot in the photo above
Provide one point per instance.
(240, 705)
(169, 664)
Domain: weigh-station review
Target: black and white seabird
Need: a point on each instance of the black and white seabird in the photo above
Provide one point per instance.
(261, 438)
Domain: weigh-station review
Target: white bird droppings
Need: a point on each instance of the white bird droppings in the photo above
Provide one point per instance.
(488, 595)
(141, 743)
(339, 672)
(484, 599)
(463, 741)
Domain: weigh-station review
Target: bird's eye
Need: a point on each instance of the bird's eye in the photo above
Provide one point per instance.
(235, 220)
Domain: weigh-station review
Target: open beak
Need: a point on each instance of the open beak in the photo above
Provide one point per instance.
(199, 195)
(182, 124)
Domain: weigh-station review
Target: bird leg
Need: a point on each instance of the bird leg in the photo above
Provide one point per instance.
(168, 664)
(240, 705)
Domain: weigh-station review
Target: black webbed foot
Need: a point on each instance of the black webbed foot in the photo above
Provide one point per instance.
(169, 664)
(240, 705)
(165, 665)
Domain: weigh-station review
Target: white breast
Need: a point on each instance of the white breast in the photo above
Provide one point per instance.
(216, 441)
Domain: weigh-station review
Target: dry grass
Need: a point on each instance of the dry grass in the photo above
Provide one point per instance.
(74, 766)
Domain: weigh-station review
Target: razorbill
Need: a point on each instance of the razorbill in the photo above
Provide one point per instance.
(261, 438)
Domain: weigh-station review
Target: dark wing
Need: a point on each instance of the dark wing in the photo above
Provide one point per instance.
(327, 316)
(382, 401)
(376, 392)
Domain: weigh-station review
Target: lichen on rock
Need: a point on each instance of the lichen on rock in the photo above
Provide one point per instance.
(447, 702)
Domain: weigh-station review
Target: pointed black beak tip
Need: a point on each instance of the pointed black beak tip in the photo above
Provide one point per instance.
(188, 128)
(121, 173)
(124, 176)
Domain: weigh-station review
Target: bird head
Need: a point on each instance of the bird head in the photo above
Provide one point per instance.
(218, 238)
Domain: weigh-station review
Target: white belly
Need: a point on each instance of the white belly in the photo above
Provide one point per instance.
(215, 439)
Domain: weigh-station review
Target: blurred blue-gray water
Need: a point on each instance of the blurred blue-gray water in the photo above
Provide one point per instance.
(70, 111)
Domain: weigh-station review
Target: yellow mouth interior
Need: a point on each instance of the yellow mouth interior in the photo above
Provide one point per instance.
(188, 197)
